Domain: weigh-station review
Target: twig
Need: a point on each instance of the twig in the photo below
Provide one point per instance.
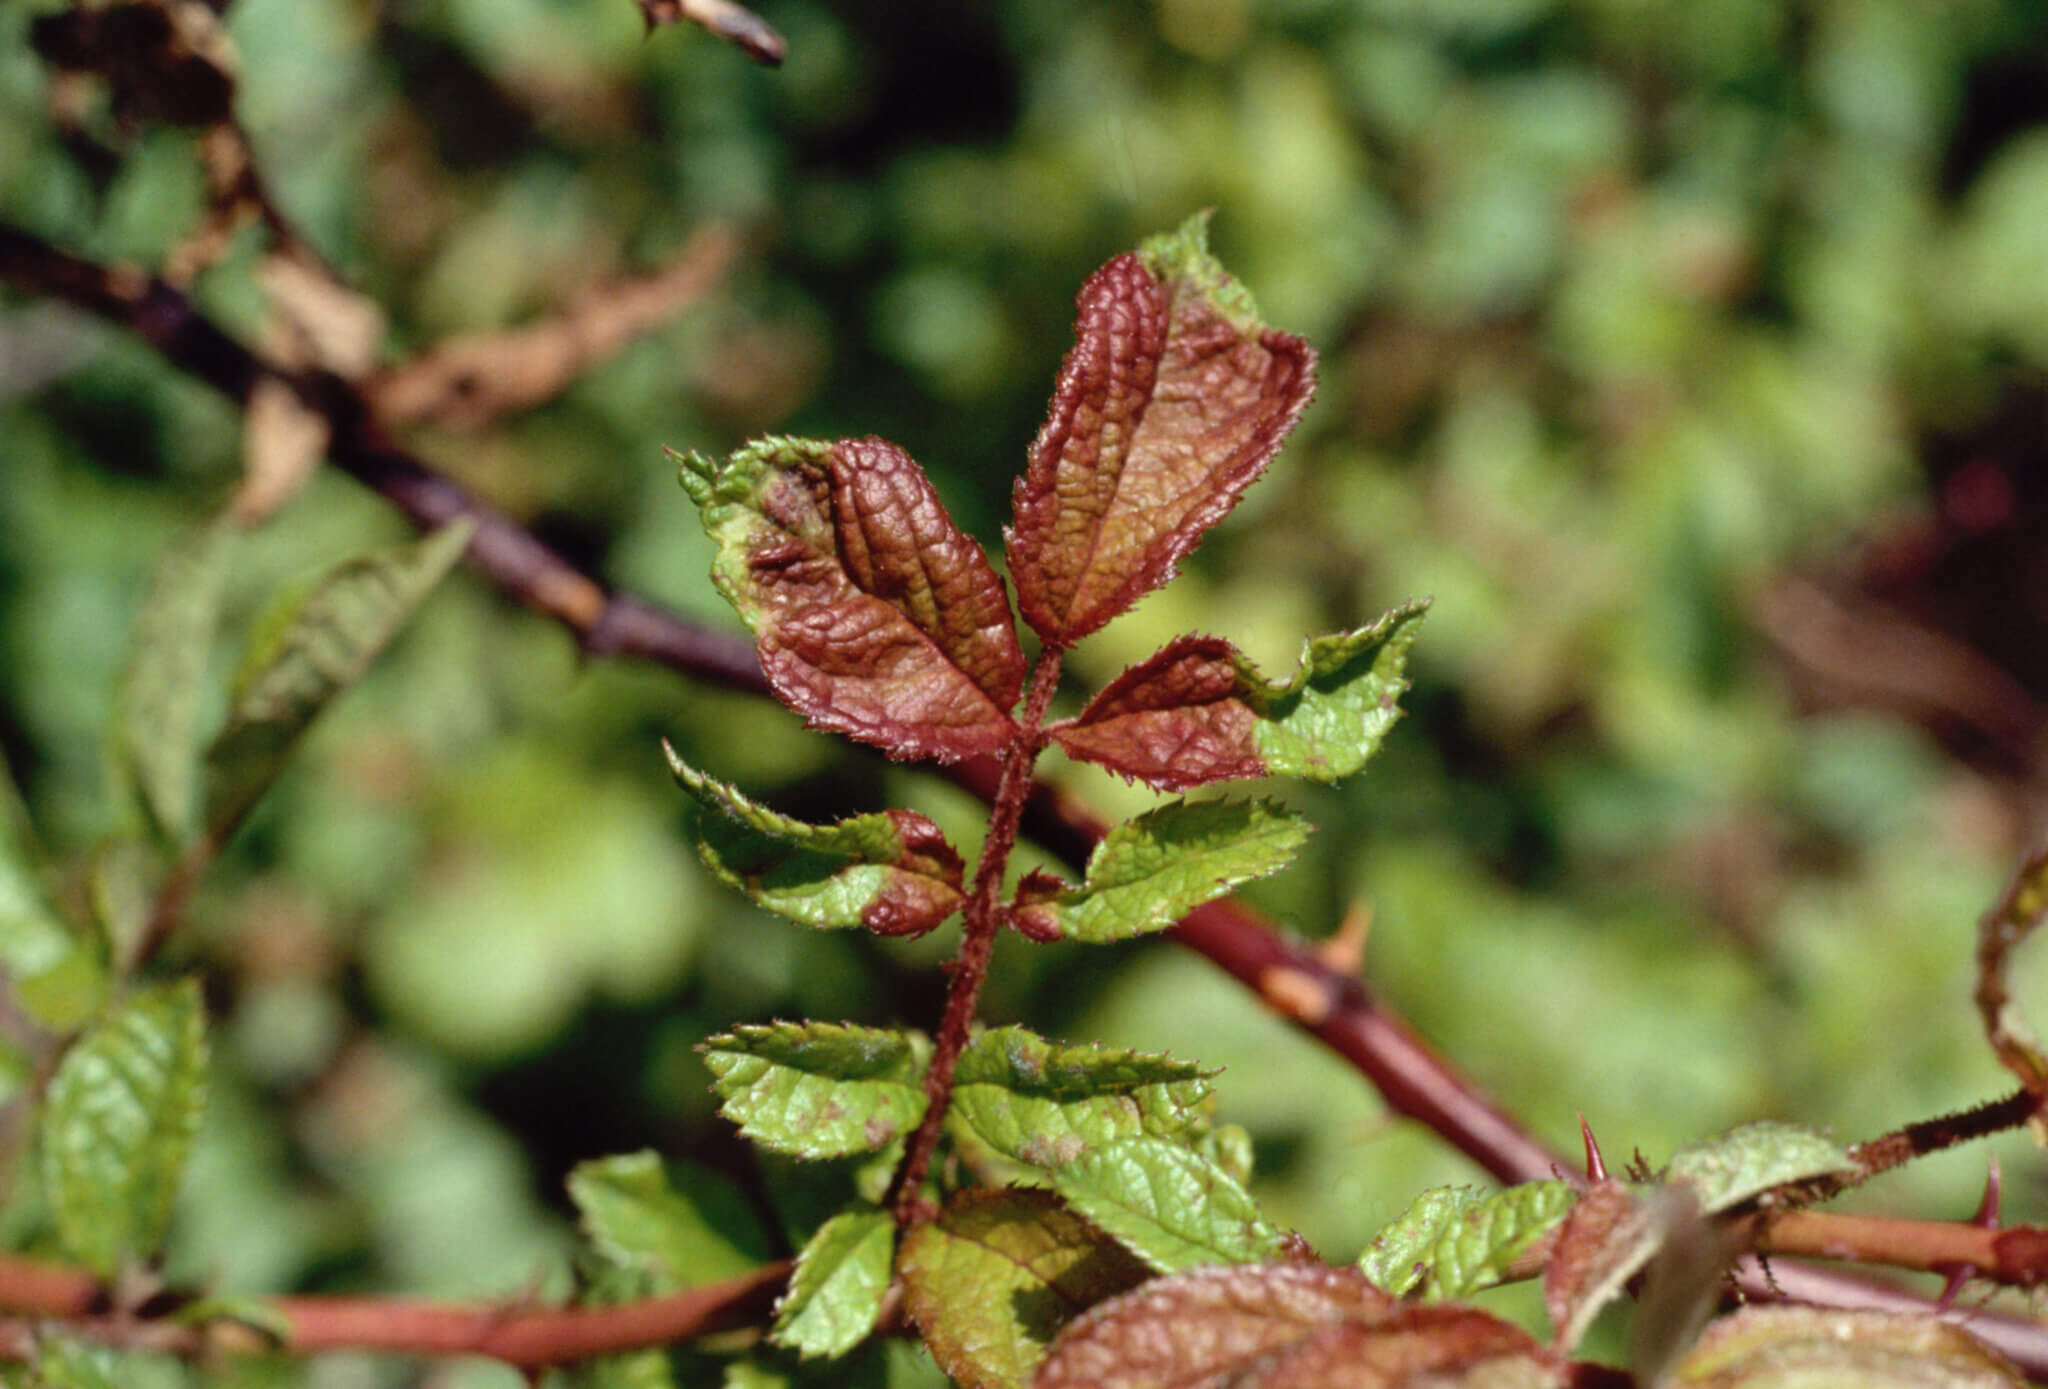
(1414, 1080)
(525, 1336)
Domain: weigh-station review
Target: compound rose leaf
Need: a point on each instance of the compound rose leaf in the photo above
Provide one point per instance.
(1149, 872)
(891, 872)
(819, 1090)
(997, 1274)
(1197, 711)
(1171, 402)
(875, 615)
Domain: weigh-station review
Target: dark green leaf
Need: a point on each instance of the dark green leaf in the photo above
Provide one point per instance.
(1149, 872)
(684, 1226)
(309, 652)
(835, 1295)
(819, 1090)
(118, 1124)
(164, 679)
(892, 873)
(1171, 1207)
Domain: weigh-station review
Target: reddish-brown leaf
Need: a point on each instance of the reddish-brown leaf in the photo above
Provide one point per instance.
(876, 616)
(1197, 711)
(1198, 1328)
(1171, 402)
(1174, 721)
(1610, 1234)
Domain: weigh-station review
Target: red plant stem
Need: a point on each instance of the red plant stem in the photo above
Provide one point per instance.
(984, 918)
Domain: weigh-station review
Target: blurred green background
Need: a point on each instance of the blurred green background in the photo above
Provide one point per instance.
(1694, 356)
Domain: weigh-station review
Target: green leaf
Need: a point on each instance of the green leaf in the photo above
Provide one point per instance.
(164, 679)
(892, 873)
(1749, 1161)
(819, 1090)
(64, 1363)
(835, 1295)
(997, 1274)
(640, 1369)
(1149, 872)
(1197, 711)
(118, 1124)
(682, 1225)
(1454, 1240)
(1171, 1207)
(56, 974)
(309, 652)
(1044, 1105)
(1796, 1347)
(874, 614)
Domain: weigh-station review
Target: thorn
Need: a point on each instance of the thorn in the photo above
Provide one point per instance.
(1596, 1165)
(1344, 951)
(1985, 1218)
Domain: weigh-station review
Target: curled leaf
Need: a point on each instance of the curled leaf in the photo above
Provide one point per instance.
(876, 616)
(1149, 872)
(892, 873)
(1197, 711)
(1609, 1236)
(1171, 402)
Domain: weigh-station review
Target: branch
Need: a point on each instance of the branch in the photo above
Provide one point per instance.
(525, 1336)
(1335, 1008)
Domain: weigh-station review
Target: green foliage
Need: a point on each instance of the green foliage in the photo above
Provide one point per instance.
(118, 1123)
(1454, 1241)
(681, 1227)
(308, 651)
(842, 1275)
(819, 1090)
(1173, 1208)
(1149, 872)
(1728, 1170)
(164, 682)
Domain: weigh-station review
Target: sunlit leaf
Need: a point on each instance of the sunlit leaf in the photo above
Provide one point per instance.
(819, 1090)
(1044, 1104)
(1171, 402)
(1149, 872)
(995, 1276)
(307, 654)
(1197, 711)
(1794, 1347)
(1455, 1240)
(164, 678)
(892, 872)
(118, 1124)
(835, 1294)
(1171, 1207)
(1730, 1169)
(875, 615)
(683, 1226)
